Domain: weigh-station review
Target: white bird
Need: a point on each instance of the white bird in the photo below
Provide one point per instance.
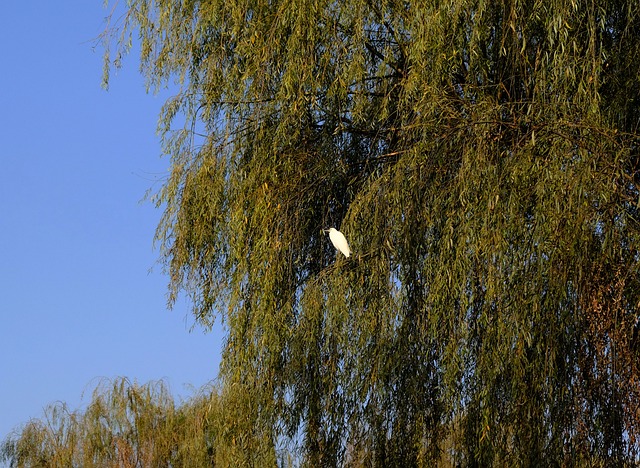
(339, 241)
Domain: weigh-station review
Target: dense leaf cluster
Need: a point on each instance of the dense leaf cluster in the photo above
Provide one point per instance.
(125, 425)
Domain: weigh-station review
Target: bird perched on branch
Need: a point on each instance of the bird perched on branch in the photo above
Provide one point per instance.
(339, 241)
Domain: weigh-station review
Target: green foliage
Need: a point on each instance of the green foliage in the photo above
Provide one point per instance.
(482, 157)
(125, 425)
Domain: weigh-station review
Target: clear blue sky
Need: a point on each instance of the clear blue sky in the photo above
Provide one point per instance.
(77, 300)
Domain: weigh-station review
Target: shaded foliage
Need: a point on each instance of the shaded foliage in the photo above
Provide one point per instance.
(483, 160)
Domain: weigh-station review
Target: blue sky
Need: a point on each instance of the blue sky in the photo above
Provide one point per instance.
(77, 300)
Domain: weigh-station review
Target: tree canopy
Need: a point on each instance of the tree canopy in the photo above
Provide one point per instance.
(482, 159)
(125, 425)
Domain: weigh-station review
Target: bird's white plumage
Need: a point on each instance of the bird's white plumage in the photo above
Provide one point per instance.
(339, 241)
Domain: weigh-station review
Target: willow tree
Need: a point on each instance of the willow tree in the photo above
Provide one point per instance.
(125, 425)
(482, 158)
